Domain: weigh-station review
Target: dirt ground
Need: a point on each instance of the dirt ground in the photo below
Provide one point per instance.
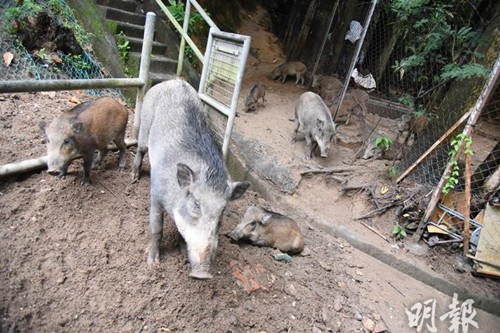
(72, 257)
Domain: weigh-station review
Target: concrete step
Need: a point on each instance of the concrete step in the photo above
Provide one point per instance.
(126, 5)
(115, 14)
(136, 46)
(159, 64)
(160, 77)
(130, 30)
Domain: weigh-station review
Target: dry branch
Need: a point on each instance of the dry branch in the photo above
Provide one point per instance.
(328, 171)
(375, 231)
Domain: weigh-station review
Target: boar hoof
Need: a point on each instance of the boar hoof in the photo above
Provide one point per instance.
(153, 260)
(201, 275)
(154, 256)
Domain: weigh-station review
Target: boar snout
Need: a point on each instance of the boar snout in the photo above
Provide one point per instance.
(234, 235)
(200, 274)
(53, 172)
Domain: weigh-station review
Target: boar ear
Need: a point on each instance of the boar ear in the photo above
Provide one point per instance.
(266, 218)
(185, 176)
(77, 127)
(238, 188)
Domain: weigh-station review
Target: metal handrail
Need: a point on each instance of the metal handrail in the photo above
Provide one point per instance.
(184, 29)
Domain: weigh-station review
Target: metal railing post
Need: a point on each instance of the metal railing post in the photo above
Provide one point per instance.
(185, 27)
(147, 46)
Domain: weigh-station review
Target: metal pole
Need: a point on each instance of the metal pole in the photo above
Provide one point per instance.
(147, 45)
(316, 64)
(54, 85)
(356, 54)
(185, 26)
(40, 163)
(179, 29)
(204, 14)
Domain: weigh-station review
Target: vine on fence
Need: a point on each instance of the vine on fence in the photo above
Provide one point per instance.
(452, 178)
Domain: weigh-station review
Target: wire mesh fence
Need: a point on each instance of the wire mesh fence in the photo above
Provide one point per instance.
(30, 61)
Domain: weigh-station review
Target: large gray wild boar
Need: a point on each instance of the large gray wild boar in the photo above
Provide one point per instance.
(263, 227)
(289, 69)
(188, 176)
(314, 116)
(81, 131)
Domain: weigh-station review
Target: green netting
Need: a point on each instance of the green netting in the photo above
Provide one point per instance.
(43, 65)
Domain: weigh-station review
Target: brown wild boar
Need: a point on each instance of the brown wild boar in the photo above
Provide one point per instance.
(257, 91)
(262, 227)
(290, 68)
(80, 131)
(330, 88)
(355, 103)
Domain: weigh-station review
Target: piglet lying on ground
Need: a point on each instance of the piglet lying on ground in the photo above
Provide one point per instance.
(262, 227)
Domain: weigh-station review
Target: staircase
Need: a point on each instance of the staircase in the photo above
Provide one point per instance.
(124, 14)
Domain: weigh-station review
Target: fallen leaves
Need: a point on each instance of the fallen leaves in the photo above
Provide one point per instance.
(7, 58)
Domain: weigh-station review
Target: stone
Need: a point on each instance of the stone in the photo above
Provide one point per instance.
(368, 323)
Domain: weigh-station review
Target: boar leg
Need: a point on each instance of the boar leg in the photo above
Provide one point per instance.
(309, 148)
(156, 224)
(296, 130)
(87, 165)
(284, 78)
(101, 152)
(123, 151)
(141, 150)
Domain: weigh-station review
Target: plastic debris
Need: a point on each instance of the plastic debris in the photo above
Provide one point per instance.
(365, 81)
(282, 257)
(354, 33)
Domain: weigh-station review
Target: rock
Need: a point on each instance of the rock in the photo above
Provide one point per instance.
(317, 330)
(368, 323)
(335, 326)
(325, 316)
(338, 303)
(61, 279)
(462, 265)
(341, 285)
(325, 266)
(2, 98)
(292, 291)
(282, 257)
(380, 327)
(358, 316)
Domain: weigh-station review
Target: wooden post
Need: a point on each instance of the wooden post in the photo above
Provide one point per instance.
(467, 204)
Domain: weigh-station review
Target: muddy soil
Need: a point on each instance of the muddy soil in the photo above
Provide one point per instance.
(73, 257)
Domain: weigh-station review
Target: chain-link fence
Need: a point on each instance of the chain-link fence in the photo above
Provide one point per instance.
(44, 60)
